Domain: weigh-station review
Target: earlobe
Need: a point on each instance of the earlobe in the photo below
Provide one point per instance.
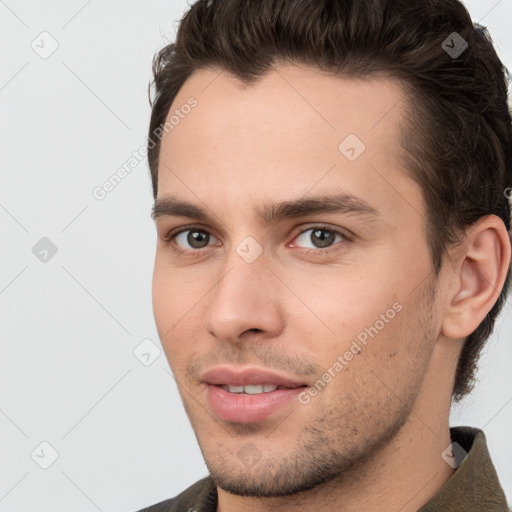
(479, 274)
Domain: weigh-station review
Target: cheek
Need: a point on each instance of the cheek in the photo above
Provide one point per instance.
(175, 300)
(358, 321)
(172, 290)
(162, 299)
(339, 305)
(168, 302)
(384, 373)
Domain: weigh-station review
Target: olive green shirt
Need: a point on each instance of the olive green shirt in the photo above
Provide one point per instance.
(473, 487)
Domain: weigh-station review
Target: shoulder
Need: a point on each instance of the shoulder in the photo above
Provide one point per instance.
(201, 496)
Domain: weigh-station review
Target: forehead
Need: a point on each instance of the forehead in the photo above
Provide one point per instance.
(324, 103)
(295, 130)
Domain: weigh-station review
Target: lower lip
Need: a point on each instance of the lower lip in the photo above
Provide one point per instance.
(244, 408)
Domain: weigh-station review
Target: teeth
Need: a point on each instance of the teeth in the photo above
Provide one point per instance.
(234, 389)
(252, 389)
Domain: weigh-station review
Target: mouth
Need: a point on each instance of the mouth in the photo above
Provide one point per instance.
(249, 395)
(250, 404)
(255, 389)
(248, 380)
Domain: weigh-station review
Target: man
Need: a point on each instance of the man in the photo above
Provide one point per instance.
(331, 183)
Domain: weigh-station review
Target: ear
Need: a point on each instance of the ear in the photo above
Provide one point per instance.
(479, 270)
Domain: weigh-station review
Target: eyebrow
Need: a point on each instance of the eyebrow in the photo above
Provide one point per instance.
(342, 203)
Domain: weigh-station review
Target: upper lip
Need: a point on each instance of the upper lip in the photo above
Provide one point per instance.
(248, 376)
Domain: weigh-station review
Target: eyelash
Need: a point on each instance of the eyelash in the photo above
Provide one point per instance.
(315, 252)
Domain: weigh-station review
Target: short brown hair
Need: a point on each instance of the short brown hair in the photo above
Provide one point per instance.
(457, 135)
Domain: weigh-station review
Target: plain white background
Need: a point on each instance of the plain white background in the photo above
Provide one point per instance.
(70, 324)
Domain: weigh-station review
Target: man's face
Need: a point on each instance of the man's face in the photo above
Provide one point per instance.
(338, 301)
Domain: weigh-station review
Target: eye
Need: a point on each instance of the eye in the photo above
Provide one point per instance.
(321, 237)
(190, 240)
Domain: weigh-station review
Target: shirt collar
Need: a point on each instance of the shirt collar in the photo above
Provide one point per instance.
(474, 485)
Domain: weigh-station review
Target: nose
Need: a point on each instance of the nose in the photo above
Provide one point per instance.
(245, 299)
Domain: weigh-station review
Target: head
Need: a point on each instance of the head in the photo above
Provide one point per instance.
(264, 110)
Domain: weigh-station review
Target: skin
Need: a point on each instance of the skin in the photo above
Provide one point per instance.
(372, 439)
